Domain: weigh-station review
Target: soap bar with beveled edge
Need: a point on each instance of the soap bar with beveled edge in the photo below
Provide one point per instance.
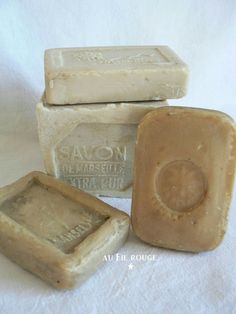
(113, 74)
(183, 178)
(56, 231)
(92, 146)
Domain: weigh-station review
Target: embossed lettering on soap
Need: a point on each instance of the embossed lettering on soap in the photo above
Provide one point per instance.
(132, 55)
(61, 221)
(87, 224)
(96, 162)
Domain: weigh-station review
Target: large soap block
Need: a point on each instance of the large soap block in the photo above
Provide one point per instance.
(113, 74)
(184, 171)
(56, 231)
(92, 146)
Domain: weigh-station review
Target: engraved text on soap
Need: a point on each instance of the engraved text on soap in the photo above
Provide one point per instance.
(97, 156)
(93, 167)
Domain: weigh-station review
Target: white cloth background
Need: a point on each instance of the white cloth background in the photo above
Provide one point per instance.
(203, 33)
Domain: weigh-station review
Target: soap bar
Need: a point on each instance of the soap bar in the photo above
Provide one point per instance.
(92, 146)
(113, 74)
(56, 231)
(184, 171)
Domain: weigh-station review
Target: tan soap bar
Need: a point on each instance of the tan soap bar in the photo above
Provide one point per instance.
(113, 74)
(56, 231)
(92, 146)
(184, 171)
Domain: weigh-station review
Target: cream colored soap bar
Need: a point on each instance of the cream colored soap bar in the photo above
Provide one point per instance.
(92, 146)
(56, 231)
(113, 74)
(184, 171)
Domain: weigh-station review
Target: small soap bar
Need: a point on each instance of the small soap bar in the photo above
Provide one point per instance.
(56, 231)
(92, 146)
(113, 74)
(184, 171)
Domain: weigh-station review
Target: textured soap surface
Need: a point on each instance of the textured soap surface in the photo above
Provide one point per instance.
(113, 74)
(184, 171)
(92, 146)
(56, 231)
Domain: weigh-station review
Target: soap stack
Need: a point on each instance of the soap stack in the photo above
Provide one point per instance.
(99, 104)
(94, 101)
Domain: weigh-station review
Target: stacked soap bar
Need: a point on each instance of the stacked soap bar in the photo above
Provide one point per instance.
(103, 94)
(92, 146)
(112, 74)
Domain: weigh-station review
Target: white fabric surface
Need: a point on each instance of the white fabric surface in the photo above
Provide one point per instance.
(203, 33)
